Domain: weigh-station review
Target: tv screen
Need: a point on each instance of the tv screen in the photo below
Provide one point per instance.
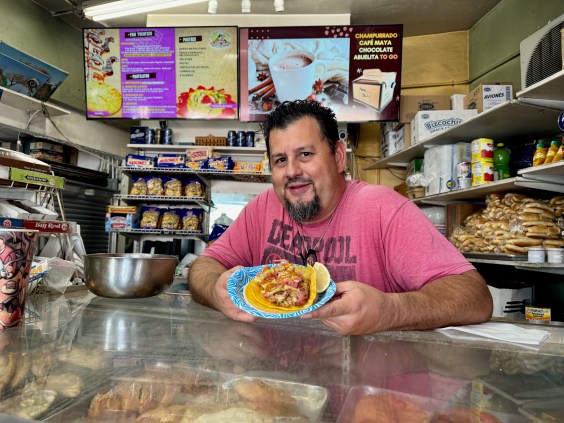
(161, 73)
(355, 70)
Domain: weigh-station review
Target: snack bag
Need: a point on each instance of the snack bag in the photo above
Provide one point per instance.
(172, 186)
(192, 219)
(170, 219)
(150, 217)
(155, 185)
(193, 187)
(138, 186)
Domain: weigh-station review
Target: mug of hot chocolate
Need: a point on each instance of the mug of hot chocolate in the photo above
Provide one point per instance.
(293, 74)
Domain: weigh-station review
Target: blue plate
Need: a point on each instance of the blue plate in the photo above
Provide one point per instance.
(241, 277)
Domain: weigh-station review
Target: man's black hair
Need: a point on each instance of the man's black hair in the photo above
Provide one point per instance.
(290, 112)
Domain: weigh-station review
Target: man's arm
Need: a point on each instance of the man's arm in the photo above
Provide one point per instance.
(207, 282)
(449, 301)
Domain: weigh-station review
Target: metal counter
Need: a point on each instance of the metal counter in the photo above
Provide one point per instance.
(79, 354)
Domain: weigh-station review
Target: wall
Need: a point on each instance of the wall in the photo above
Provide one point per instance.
(26, 26)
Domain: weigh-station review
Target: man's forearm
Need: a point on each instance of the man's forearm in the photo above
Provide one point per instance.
(202, 278)
(453, 300)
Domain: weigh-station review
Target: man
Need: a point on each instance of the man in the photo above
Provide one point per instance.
(393, 269)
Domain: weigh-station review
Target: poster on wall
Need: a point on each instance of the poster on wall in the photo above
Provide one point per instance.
(161, 73)
(355, 70)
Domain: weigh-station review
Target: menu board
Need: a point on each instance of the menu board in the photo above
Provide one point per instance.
(355, 70)
(161, 73)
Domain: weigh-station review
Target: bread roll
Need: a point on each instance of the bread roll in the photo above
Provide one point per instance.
(524, 242)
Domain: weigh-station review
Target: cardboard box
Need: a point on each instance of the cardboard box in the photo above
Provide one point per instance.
(374, 88)
(48, 226)
(14, 159)
(49, 155)
(394, 141)
(429, 123)
(120, 218)
(411, 104)
(35, 211)
(487, 96)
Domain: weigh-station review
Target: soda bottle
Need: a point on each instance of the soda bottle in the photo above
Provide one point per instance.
(501, 162)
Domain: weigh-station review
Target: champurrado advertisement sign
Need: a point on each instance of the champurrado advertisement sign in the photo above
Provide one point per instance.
(161, 73)
(355, 70)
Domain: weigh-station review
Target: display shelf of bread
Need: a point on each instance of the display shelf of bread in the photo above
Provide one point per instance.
(511, 224)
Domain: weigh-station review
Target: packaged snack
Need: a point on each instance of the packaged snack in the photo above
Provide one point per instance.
(194, 187)
(172, 186)
(149, 217)
(171, 160)
(221, 163)
(133, 160)
(155, 185)
(170, 219)
(200, 164)
(192, 219)
(247, 167)
(138, 186)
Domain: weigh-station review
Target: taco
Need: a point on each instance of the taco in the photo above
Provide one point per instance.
(284, 287)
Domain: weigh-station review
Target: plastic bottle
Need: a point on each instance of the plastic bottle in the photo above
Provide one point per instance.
(540, 155)
(501, 158)
(265, 163)
(559, 154)
(552, 150)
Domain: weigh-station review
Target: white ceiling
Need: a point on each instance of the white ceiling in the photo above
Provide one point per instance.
(419, 17)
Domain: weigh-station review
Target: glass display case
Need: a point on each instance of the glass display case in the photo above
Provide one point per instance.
(82, 358)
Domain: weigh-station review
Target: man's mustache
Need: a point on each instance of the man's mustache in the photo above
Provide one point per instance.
(298, 179)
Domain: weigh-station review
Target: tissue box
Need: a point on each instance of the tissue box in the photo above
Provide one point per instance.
(486, 96)
(502, 296)
(428, 123)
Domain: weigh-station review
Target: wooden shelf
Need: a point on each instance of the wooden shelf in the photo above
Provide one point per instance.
(508, 120)
(28, 104)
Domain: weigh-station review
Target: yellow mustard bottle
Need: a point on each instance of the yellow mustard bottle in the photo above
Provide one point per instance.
(540, 155)
(551, 152)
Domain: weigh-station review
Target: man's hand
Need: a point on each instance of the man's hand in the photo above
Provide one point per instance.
(223, 303)
(356, 309)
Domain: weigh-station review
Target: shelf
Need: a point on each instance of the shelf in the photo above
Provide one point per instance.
(524, 265)
(160, 148)
(549, 91)
(144, 233)
(28, 104)
(508, 120)
(223, 175)
(474, 193)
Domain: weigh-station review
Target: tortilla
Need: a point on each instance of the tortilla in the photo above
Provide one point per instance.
(253, 294)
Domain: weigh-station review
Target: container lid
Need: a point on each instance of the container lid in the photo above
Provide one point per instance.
(500, 144)
(555, 142)
(540, 145)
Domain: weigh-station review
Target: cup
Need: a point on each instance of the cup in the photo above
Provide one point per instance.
(231, 138)
(293, 73)
(17, 247)
(536, 255)
(241, 139)
(555, 255)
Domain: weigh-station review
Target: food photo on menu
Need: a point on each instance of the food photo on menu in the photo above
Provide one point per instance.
(354, 70)
(161, 73)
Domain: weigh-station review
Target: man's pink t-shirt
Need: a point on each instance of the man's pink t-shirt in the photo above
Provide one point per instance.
(377, 237)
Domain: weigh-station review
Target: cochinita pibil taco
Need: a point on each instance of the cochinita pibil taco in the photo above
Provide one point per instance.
(284, 287)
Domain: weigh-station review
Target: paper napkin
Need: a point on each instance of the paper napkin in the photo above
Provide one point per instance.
(502, 332)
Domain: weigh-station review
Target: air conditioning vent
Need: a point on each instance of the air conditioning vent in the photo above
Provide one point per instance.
(541, 53)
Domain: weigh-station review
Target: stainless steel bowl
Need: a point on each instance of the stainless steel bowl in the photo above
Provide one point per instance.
(128, 275)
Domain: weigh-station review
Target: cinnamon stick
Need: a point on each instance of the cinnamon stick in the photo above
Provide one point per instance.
(264, 90)
(270, 93)
(266, 82)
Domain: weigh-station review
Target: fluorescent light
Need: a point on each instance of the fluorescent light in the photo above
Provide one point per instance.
(278, 5)
(120, 8)
(212, 6)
